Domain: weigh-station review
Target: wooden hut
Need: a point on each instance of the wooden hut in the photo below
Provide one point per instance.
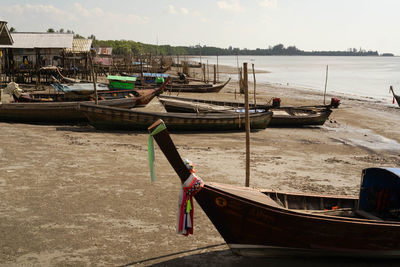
(5, 36)
(5, 39)
(76, 59)
(32, 51)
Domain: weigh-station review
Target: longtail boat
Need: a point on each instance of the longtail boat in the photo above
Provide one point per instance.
(121, 82)
(77, 96)
(195, 88)
(111, 118)
(282, 116)
(267, 223)
(397, 97)
(49, 109)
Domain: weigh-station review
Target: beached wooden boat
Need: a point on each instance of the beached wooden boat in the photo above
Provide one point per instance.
(78, 96)
(267, 223)
(111, 118)
(397, 97)
(65, 111)
(195, 88)
(121, 82)
(282, 116)
(299, 116)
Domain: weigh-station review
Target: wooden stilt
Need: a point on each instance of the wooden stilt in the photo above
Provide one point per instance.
(94, 81)
(254, 80)
(247, 115)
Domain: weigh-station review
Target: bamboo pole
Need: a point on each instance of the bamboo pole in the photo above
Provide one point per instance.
(94, 81)
(246, 104)
(200, 54)
(237, 62)
(239, 74)
(326, 82)
(254, 79)
(217, 69)
(208, 72)
(204, 72)
(215, 75)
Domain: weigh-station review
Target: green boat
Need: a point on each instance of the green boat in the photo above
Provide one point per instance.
(121, 82)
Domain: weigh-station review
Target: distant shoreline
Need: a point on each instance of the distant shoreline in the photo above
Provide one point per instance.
(392, 55)
(123, 47)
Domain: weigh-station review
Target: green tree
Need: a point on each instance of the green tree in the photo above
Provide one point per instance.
(77, 36)
(51, 30)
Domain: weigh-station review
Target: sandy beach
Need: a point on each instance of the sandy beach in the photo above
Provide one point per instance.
(71, 195)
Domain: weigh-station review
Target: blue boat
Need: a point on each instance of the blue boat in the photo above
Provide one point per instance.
(80, 88)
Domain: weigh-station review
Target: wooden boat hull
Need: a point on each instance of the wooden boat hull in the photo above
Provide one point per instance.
(53, 111)
(298, 117)
(187, 88)
(45, 112)
(108, 118)
(268, 223)
(397, 97)
(282, 116)
(253, 228)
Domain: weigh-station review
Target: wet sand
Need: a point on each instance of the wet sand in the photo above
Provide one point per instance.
(71, 195)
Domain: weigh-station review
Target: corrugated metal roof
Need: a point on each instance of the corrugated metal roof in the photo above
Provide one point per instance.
(80, 46)
(40, 40)
(5, 37)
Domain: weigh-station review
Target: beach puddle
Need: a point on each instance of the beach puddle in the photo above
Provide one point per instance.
(364, 138)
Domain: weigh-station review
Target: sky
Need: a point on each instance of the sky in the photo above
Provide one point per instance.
(307, 24)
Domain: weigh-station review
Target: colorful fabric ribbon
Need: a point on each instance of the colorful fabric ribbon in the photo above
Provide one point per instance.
(150, 149)
(185, 206)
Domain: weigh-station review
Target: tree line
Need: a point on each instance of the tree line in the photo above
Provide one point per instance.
(129, 47)
(124, 47)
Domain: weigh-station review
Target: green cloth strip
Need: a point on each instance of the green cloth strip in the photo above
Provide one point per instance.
(188, 206)
(150, 149)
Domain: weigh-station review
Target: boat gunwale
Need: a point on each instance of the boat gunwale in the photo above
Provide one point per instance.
(214, 116)
(291, 212)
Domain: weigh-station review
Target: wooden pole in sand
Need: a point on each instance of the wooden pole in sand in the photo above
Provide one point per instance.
(208, 72)
(239, 74)
(200, 54)
(94, 81)
(326, 82)
(254, 79)
(204, 72)
(246, 104)
(215, 75)
(217, 69)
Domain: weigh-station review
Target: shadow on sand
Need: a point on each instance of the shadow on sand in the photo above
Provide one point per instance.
(227, 258)
(88, 128)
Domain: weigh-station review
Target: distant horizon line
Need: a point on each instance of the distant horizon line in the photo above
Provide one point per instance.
(297, 52)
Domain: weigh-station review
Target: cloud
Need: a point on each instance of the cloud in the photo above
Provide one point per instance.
(268, 3)
(39, 17)
(32, 11)
(230, 5)
(83, 20)
(184, 11)
(172, 10)
(109, 17)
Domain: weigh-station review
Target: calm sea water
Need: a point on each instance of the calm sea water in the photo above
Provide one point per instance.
(358, 76)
